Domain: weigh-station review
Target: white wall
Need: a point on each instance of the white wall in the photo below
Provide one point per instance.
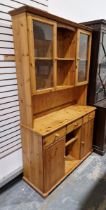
(78, 10)
(10, 139)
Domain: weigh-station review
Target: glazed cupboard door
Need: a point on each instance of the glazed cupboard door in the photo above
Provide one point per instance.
(42, 36)
(83, 57)
(54, 164)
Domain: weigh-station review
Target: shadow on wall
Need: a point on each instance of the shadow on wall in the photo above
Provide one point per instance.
(96, 200)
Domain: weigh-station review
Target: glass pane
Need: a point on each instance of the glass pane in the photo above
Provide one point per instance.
(83, 56)
(43, 39)
(83, 47)
(101, 53)
(82, 66)
(101, 76)
(44, 74)
(102, 49)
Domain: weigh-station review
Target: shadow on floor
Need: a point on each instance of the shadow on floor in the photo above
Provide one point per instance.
(96, 200)
(11, 183)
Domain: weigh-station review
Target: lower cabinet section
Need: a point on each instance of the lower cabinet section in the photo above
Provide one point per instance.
(50, 158)
(72, 149)
(65, 153)
(54, 165)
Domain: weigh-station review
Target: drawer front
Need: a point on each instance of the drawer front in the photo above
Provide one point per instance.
(53, 137)
(91, 115)
(85, 119)
(74, 125)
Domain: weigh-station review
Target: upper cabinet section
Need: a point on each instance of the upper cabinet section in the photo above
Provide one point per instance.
(58, 50)
(59, 55)
(83, 57)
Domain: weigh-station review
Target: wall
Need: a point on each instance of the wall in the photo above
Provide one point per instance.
(78, 11)
(10, 140)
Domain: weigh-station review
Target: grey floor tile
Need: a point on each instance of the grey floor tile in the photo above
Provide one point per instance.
(84, 189)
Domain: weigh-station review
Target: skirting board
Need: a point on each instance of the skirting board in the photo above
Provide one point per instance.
(10, 177)
(10, 167)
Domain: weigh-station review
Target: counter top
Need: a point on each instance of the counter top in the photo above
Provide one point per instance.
(55, 120)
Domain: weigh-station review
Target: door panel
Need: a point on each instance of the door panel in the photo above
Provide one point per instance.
(54, 164)
(86, 140)
(83, 57)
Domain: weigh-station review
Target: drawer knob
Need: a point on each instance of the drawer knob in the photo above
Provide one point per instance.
(57, 135)
(82, 142)
(76, 124)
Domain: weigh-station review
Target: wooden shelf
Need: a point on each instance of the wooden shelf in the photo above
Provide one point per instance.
(43, 58)
(62, 87)
(65, 59)
(48, 90)
(42, 91)
(58, 59)
(70, 165)
(70, 141)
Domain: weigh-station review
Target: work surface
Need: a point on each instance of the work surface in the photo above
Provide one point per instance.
(53, 121)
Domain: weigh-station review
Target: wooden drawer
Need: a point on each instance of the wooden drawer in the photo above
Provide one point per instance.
(74, 125)
(55, 136)
(91, 115)
(85, 119)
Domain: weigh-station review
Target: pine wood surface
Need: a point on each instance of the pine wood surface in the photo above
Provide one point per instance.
(53, 121)
(54, 118)
(45, 14)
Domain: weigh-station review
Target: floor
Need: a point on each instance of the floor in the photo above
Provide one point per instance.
(84, 189)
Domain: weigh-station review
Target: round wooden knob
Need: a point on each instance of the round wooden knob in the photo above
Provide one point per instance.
(76, 124)
(57, 135)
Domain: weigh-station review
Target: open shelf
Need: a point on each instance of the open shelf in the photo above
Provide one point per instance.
(70, 141)
(43, 58)
(65, 43)
(64, 87)
(71, 165)
(72, 150)
(65, 73)
(65, 59)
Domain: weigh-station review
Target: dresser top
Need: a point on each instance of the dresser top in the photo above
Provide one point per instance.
(55, 120)
(45, 14)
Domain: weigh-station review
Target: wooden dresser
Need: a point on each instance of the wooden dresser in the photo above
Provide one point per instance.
(52, 60)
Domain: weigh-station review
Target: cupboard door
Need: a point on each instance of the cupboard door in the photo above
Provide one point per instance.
(54, 164)
(83, 57)
(86, 139)
(42, 37)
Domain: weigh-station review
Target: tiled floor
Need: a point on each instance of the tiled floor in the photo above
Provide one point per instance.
(84, 189)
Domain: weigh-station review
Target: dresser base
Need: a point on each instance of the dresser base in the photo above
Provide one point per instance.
(47, 193)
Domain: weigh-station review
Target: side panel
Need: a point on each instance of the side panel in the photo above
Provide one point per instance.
(32, 158)
(22, 65)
